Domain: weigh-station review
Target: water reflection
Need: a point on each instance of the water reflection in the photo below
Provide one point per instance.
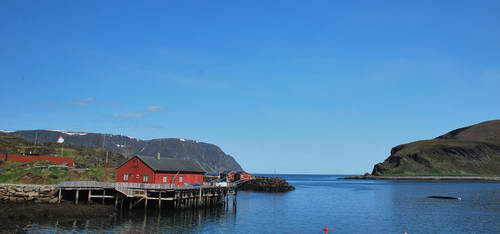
(345, 206)
(142, 221)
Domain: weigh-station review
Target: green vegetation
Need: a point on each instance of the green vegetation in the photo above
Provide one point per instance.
(90, 163)
(31, 173)
(469, 151)
(84, 157)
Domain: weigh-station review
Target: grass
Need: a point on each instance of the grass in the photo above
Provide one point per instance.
(84, 157)
(14, 172)
(92, 162)
(443, 157)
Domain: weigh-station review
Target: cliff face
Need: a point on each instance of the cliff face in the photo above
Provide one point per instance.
(210, 156)
(473, 150)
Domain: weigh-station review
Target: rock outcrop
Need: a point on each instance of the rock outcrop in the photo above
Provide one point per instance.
(469, 151)
(267, 184)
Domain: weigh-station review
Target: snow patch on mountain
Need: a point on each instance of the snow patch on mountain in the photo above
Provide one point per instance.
(71, 133)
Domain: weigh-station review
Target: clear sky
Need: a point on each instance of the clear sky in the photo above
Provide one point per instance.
(297, 86)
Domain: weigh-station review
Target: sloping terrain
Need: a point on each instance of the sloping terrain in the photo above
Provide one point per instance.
(468, 151)
(210, 156)
(84, 157)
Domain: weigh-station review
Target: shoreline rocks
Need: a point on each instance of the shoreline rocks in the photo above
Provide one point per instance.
(28, 192)
(267, 184)
(458, 178)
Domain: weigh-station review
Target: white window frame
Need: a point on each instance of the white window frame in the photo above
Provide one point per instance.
(165, 179)
(145, 178)
(181, 179)
(125, 177)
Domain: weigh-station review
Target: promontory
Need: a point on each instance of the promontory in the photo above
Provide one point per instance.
(468, 151)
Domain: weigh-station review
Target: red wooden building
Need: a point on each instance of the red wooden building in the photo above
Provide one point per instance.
(243, 175)
(156, 170)
(36, 158)
(232, 176)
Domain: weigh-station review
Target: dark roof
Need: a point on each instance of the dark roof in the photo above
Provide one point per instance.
(172, 164)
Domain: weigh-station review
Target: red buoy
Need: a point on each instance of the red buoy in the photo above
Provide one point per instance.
(325, 230)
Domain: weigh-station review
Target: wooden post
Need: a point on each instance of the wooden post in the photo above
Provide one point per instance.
(199, 198)
(103, 195)
(60, 196)
(116, 200)
(234, 198)
(121, 203)
(89, 199)
(76, 196)
(130, 204)
(175, 200)
(159, 200)
(146, 201)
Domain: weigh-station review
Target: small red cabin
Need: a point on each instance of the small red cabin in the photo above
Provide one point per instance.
(243, 176)
(156, 170)
(232, 176)
(32, 158)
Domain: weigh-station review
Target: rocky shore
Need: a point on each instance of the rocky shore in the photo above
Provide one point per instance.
(458, 178)
(267, 184)
(28, 192)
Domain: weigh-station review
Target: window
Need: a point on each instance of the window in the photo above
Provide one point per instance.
(181, 179)
(165, 179)
(145, 178)
(125, 177)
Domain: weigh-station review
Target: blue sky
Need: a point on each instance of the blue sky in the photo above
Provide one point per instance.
(296, 86)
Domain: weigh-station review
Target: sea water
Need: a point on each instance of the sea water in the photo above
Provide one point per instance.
(319, 201)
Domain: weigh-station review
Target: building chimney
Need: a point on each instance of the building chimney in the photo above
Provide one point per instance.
(158, 156)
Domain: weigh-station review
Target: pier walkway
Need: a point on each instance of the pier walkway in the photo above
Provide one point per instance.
(133, 195)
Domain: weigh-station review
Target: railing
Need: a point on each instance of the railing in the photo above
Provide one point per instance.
(125, 185)
(112, 185)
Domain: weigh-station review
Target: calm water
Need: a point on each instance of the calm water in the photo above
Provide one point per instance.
(319, 201)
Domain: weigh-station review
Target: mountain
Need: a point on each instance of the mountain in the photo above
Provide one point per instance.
(472, 150)
(210, 156)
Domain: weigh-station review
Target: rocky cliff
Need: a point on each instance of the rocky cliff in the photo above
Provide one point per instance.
(468, 151)
(210, 156)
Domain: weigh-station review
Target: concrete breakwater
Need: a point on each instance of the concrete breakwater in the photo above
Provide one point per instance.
(28, 192)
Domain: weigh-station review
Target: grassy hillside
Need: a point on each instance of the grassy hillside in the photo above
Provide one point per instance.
(84, 157)
(29, 173)
(210, 156)
(469, 151)
(90, 162)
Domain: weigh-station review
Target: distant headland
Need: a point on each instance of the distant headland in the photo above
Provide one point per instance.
(469, 153)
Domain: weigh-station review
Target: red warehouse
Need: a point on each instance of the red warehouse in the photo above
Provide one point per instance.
(156, 170)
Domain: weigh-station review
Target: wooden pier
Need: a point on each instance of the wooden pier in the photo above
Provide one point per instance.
(133, 195)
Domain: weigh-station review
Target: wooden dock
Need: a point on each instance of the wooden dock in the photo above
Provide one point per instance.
(133, 195)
